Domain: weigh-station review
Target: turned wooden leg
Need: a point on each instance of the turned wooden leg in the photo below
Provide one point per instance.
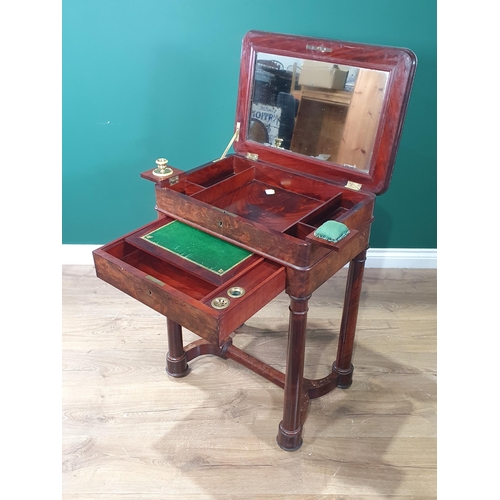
(342, 364)
(176, 357)
(290, 428)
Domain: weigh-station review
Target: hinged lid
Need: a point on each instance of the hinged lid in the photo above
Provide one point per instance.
(326, 108)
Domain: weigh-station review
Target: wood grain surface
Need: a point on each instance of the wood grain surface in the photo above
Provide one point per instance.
(132, 432)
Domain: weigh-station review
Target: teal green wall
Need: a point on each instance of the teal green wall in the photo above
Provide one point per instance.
(149, 78)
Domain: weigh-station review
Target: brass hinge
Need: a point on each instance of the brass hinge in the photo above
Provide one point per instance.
(155, 280)
(236, 137)
(318, 48)
(353, 185)
(252, 156)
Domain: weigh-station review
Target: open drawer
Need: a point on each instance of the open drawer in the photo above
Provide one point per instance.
(210, 306)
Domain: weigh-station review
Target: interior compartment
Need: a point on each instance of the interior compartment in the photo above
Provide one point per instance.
(227, 185)
(186, 187)
(270, 196)
(274, 207)
(220, 170)
(248, 281)
(164, 273)
(338, 208)
(294, 183)
(300, 230)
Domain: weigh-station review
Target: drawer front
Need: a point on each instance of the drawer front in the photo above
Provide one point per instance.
(182, 294)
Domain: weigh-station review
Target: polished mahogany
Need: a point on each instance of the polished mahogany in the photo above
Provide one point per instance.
(269, 201)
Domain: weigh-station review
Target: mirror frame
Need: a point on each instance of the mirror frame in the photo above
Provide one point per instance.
(400, 63)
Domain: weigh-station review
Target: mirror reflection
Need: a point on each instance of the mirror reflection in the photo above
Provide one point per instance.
(318, 109)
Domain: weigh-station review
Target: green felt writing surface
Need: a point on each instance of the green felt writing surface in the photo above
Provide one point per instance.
(198, 247)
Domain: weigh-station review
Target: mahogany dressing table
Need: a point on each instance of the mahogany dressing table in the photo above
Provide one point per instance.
(235, 232)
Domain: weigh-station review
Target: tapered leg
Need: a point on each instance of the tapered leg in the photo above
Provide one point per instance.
(342, 364)
(176, 357)
(290, 428)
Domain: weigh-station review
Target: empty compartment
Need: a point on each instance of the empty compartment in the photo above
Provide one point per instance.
(217, 171)
(186, 187)
(160, 272)
(274, 207)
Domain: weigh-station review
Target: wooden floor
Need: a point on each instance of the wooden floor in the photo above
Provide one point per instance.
(132, 432)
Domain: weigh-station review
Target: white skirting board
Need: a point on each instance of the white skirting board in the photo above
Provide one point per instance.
(409, 258)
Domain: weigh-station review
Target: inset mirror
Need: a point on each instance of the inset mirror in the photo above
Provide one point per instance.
(317, 109)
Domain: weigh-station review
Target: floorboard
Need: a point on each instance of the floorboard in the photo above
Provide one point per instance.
(131, 432)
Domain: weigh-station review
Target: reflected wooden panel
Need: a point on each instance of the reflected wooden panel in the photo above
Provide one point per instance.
(363, 119)
(313, 137)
